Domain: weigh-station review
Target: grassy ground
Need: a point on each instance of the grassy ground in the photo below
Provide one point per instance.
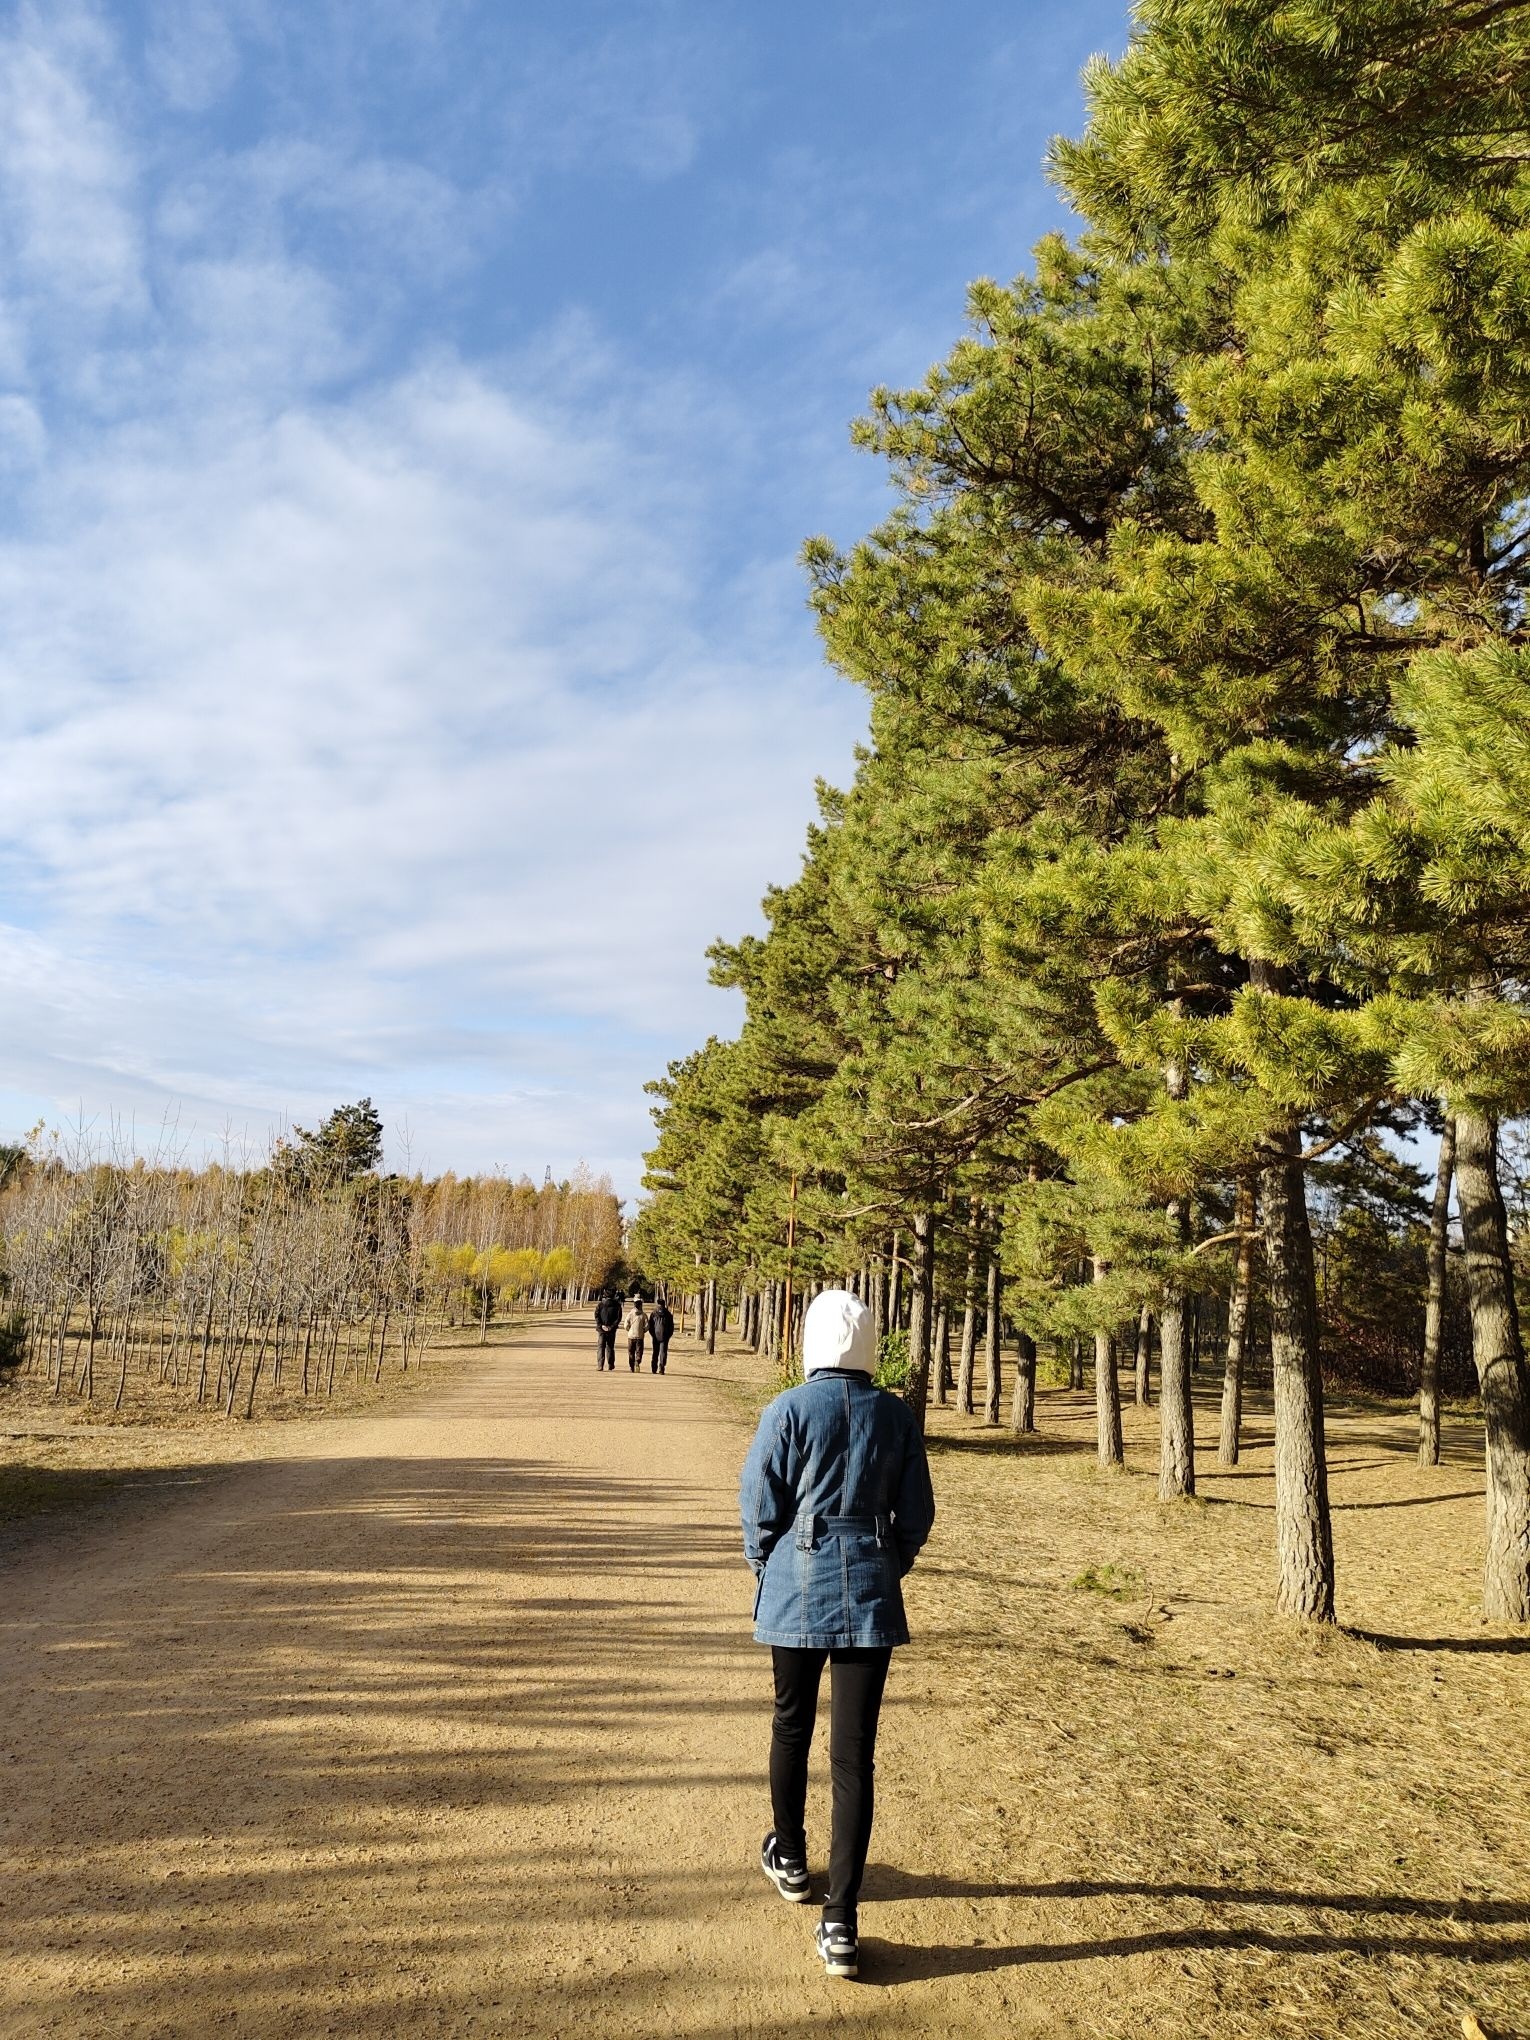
(1294, 1834)
(61, 1453)
(1224, 1826)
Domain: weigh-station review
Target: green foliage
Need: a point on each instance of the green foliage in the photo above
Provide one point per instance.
(1194, 825)
(892, 1362)
(347, 1144)
(1115, 1582)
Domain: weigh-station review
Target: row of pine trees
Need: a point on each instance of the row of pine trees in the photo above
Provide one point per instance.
(1189, 855)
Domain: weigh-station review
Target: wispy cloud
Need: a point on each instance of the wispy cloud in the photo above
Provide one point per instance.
(68, 199)
(405, 677)
(364, 737)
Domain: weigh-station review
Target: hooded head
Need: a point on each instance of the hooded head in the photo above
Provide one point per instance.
(837, 1335)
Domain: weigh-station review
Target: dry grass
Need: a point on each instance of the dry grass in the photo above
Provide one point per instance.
(1268, 1832)
(1129, 1790)
(60, 1453)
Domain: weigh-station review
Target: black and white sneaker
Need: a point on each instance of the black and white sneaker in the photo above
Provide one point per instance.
(790, 1879)
(838, 1946)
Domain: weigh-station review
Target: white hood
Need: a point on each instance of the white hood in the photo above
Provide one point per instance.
(836, 1333)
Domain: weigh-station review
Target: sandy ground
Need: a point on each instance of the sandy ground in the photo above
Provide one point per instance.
(447, 1721)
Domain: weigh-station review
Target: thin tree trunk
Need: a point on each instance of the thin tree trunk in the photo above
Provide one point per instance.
(993, 1349)
(712, 1315)
(1107, 1389)
(1237, 1330)
(1176, 1404)
(878, 1300)
(1144, 1365)
(922, 1301)
(1303, 1531)
(1498, 1350)
(1434, 1305)
(1176, 1413)
(966, 1364)
(942, 1360)
(1075, 1363)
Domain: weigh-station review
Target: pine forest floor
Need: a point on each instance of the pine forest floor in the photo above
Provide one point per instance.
(442, 1717)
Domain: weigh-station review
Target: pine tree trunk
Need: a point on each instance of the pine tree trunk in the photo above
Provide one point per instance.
(712, 1315)
(1498, 1350)
(1107, 1389)
(1434, 1305)
(966, 1363)
(1176, 1405)
(1076, 1363)
(1303, 1531)
(993, 1360)
(1176, 1409)
(922, 1302)
(895, 1286)
(1022, 1409)
(879, 1325)
(941, 1365)
(1237, 1331)
(1144, 1357)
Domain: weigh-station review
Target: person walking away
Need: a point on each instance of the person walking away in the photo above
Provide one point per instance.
(836, 1504)
(608, 1315)
(634, 1325)
(661, 1329)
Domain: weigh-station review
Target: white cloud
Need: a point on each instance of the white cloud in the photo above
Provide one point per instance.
(394, 731)
(328, 729)
(23, 435)
(68, 203)
(192, 52)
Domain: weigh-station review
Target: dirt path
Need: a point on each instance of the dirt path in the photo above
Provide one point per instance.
(447, 1723)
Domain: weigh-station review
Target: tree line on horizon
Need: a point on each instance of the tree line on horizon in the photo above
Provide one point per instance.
(1179, 908)
(306, 1270)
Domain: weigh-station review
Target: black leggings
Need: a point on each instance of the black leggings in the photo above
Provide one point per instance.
(855, 1700)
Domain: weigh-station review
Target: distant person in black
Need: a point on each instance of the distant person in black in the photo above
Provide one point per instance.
(608, 1315)
(661, 1329)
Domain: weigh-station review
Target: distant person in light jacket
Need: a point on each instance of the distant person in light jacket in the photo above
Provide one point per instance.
(836, 1504)
(634, 1325)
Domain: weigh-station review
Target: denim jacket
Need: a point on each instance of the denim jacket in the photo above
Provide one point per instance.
(836, 1503)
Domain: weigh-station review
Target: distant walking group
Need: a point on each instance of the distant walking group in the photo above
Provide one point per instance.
(637, 1324)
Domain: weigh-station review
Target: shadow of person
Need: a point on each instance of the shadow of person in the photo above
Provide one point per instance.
(887, 1963)
(884, 1882)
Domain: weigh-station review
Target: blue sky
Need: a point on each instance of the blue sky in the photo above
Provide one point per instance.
(409, 417)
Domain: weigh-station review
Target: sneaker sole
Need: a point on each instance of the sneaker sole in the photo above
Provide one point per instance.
(791, 1897)
(846, 1969)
